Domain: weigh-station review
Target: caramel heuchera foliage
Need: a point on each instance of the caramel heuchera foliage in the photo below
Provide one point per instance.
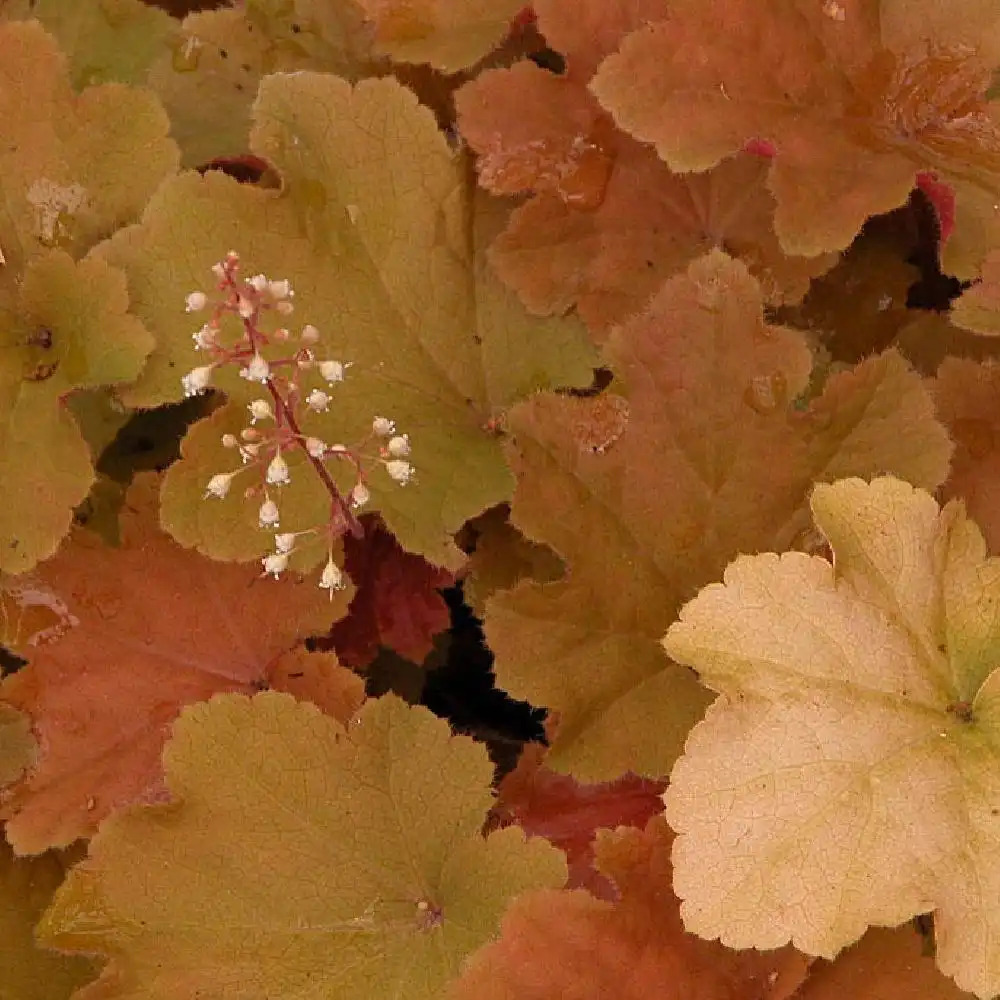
(665, 333)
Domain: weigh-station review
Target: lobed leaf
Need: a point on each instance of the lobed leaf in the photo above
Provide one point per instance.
(847, 774)
(568, 944)
(448, 34)
(649, 494)
(111, 41)
(152, 628)
(608, 221)
(366, 876)
(854, 106)
(372, 228)
(27, 970)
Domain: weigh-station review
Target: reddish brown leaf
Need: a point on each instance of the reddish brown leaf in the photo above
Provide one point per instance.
(397, 603)
(855, 103)
(568, 944)
(159, 627)
(569, 813)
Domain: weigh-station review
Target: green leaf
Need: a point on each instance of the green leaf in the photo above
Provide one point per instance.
(849, 773)
(374, 227)
(317, 861)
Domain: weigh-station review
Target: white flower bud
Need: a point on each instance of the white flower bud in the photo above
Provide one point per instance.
(276, 563)
(285, 308)
(260, 409)
(360, 495)
(218, 485)
(229, 441)
(399, 446)
(204, 338)
(310, 335)
(277, 471)
(257, 371)
(402, 472)
(258, 282)
(383, 426)
(332, 371)
(195, 302)
(246, 307)
(318, 400)
(268, 514)
(285, 542)
(248, 452)
(332, 578)
(197, 380)
(219, 270)
(280, 289)
(316, 447)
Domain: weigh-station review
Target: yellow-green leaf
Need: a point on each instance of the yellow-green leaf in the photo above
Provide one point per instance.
(298, 859)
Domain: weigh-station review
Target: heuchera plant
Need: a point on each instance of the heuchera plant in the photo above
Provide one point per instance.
(662, 334)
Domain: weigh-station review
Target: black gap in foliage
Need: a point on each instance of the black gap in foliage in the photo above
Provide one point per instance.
(463, 690)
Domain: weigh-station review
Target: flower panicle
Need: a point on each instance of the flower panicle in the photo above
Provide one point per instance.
(273, 445)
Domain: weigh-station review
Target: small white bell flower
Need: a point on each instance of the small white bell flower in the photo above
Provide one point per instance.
(332, 578)
(195, 302)
(218, 485)
(277, 471)
(332, 371)
(401, 472)
(399, 446)
(275, 564)
(260, 409)
(197, 380)
(257, 371)
(360, 495)
(285, 542)
(318, 400)
(316, 447)
(268, 514)
(383, 426)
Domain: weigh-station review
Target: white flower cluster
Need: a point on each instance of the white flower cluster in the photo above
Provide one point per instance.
(247, 297)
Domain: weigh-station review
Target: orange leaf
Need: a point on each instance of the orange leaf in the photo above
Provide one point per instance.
(159, 627)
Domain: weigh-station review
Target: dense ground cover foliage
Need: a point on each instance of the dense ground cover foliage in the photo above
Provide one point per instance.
(500, 501)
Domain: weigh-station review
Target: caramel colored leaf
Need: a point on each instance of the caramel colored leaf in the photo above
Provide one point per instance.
(28, 971)
(76, 167)
(967, 396)
(846, 777)
(448, 34)
(608, 221)
(109, 41)
(157, 627)
(978, 308)
(210, 75)
(365, 876)
(18, 749)
(318, 677)
(568, 944)
(853, 108)
(646, 496)
(883, 965)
